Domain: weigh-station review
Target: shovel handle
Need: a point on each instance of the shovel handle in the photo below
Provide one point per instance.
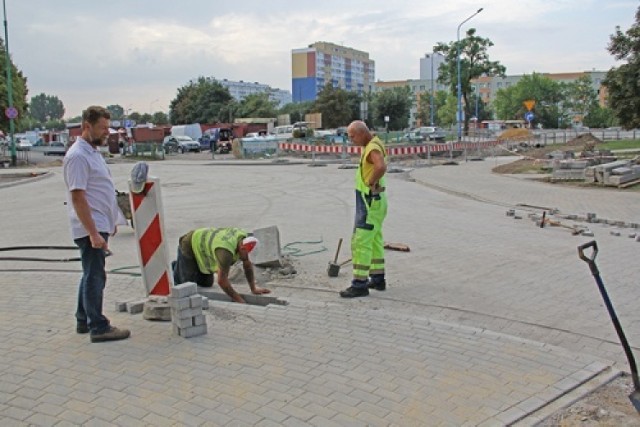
(335, 260)
(591, 261)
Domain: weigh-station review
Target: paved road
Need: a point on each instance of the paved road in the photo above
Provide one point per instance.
(487, 321)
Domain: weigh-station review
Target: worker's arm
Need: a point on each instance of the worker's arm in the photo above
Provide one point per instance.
(225, 260)
(376, 158)
(248, 273)
(83, 211)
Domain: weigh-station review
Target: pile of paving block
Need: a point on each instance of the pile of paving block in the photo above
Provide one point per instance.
(186, 305)
(605, 171)
(614, 174)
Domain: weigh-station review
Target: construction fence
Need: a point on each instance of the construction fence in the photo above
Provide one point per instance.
(453, 149)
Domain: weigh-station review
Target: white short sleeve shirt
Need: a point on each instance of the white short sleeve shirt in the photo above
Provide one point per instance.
(85, 169)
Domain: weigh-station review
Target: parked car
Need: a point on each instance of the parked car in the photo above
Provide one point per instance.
(432, 133)
(180, 144)
(55, 148)
(23, 145)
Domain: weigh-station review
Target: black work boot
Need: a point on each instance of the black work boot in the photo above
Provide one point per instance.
(352, 292)
(377, 282)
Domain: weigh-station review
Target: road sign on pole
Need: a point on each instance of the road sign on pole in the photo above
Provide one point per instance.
(11, 112)
(529, 116)
(529, 104)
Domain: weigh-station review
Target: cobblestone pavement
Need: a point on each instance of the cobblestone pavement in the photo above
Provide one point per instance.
(488, 320)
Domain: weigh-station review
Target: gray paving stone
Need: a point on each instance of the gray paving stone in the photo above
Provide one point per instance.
(466, 319)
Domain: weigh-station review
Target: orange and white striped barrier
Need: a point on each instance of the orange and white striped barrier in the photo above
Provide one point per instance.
(404, 150)
(149, 230)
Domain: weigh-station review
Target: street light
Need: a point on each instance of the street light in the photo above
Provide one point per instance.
(14, 157)
(459, 112)
(151, 105)
(432, 93)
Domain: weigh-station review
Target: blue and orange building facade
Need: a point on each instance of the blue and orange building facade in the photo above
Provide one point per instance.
(326, 63)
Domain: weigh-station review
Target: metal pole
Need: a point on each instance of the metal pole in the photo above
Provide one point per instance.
(14, 157)
(459, 86)
(477, 97)
(432, 92)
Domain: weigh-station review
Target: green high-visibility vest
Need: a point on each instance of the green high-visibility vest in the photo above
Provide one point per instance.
(205, 241)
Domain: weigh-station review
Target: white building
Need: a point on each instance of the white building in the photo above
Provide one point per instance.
(239, 90)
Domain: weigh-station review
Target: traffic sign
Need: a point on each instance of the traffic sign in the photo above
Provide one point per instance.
(11, 112)
(529, 104)
(529, 116)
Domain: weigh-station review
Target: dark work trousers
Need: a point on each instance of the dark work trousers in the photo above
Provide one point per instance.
(91, 288)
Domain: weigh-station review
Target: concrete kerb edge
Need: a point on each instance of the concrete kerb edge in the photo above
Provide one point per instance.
(543, 413)
(28, 179)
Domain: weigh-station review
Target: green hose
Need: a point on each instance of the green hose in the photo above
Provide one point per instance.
(290, 249)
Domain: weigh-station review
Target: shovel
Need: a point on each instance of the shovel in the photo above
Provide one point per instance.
(334, 268)
(635, 395)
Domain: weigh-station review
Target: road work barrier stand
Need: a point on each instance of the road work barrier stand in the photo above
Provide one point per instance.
(147, 212)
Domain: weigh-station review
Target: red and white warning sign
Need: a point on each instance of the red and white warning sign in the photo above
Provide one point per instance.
(149, 229)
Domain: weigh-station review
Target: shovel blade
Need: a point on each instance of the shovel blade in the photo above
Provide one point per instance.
(634, 397)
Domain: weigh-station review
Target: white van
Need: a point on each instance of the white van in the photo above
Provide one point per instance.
(194, 131)
(283, 132)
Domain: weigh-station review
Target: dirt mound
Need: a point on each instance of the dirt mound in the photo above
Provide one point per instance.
(586, 139)
(515, 135)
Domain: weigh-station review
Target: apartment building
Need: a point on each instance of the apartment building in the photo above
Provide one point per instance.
(240, 89)
(488, 87)
(323, 62)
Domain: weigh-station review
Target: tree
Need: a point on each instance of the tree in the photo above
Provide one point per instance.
(623, 82)
(394, 103)
(447, 105)
(201, 101)
(296, 110)
(337, 106)
(117, 112)
(474, 63)
(580, 98)
(549, 97)
(257, 105)
(18, 92)
(160, 118)
(600, 117)
(45, 107)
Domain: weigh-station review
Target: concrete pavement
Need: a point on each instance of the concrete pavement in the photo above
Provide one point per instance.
(487, 321)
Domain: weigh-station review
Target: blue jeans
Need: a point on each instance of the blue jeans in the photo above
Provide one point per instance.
(91, 288)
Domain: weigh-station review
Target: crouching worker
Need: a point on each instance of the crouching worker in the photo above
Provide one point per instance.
(205, 251)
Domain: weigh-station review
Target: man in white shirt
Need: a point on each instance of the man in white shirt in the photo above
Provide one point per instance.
(94, 216)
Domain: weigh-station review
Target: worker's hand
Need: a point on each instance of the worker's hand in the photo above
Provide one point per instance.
(259, 291)
(376, 189)
(97, 242)
(237, 298)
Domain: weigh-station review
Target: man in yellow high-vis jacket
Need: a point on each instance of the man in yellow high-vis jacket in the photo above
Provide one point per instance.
(367, 244)
(205, 251)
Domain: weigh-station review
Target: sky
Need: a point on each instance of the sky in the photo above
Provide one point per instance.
(137, 53)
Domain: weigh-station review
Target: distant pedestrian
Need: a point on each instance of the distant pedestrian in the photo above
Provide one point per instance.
(205, 251)
(367, 244)
(94, 216)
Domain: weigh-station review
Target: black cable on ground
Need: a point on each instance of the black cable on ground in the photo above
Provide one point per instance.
(39, 248)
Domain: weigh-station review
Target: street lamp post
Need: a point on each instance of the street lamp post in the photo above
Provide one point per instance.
(432, 93)
(477, 98)
(14, 157)
(151, 105)
(459, 86)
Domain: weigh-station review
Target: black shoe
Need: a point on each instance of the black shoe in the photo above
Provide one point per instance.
(378, 286)
(82, 328)
(352, 292)
(111, 334)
